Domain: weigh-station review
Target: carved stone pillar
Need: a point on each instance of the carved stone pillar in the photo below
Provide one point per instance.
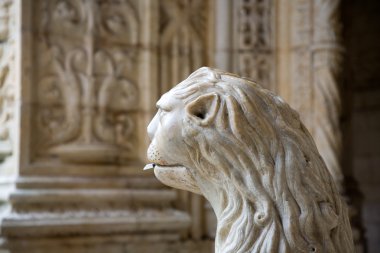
(309, 78)
(315, 56)
(293, 48)
(253, 34)
(184, 45)
(89, 73)
(9, 58)
(8, 94)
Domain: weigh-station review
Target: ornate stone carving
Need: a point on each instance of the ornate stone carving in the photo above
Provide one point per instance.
(87, 92)
(248, 153)
(7, 78)
(254, 40)
(183, 39)
(183, 46)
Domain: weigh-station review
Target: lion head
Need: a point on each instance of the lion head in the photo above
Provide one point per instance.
(248, 153)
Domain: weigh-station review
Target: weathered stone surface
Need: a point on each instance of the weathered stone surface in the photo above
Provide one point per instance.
(247, 152)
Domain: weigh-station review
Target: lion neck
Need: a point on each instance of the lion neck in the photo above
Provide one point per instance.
(239, 226)
(214, 194)
(232, 209)
(220, 200)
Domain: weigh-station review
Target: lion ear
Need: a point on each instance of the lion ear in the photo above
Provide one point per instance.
(203, 109)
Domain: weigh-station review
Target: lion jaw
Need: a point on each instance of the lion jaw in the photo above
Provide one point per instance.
(176, 176)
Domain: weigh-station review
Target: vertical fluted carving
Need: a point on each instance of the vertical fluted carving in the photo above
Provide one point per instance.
(327, 55)
(183, 39)
(183, 47)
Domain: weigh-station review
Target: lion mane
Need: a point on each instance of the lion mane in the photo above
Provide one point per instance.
(277, 194)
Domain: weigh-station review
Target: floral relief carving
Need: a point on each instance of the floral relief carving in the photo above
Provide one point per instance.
(66, 17)
(116, 95)
(117, 20)
(87, 92)
(59, 95)
(254, 40)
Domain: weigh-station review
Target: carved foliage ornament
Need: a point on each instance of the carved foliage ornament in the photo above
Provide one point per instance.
(248, 153)
(86, 90)
(254, 40)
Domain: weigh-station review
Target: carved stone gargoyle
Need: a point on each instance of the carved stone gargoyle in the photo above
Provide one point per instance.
(247, 152)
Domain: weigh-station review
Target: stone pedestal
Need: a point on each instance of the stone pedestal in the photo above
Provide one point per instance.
(80, 211)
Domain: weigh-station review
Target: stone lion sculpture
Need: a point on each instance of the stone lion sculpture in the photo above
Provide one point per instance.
(248, 153)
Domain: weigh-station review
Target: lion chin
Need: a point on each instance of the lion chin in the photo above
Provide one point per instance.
(248, 153)
(175, 176)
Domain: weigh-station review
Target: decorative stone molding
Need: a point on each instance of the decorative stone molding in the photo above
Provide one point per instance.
(184, 40)
(254, 40)
(87, 92)
(7, 80)
(184, 45)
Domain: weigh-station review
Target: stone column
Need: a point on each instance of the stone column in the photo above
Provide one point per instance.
(8, 94)
(310, 65)
(292, 48)
(184, 44)
(88, 83)
(9, 58)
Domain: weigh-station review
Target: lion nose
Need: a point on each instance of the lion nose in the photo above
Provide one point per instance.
(152, 127)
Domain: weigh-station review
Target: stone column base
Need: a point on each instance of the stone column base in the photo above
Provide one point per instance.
(105, 215)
